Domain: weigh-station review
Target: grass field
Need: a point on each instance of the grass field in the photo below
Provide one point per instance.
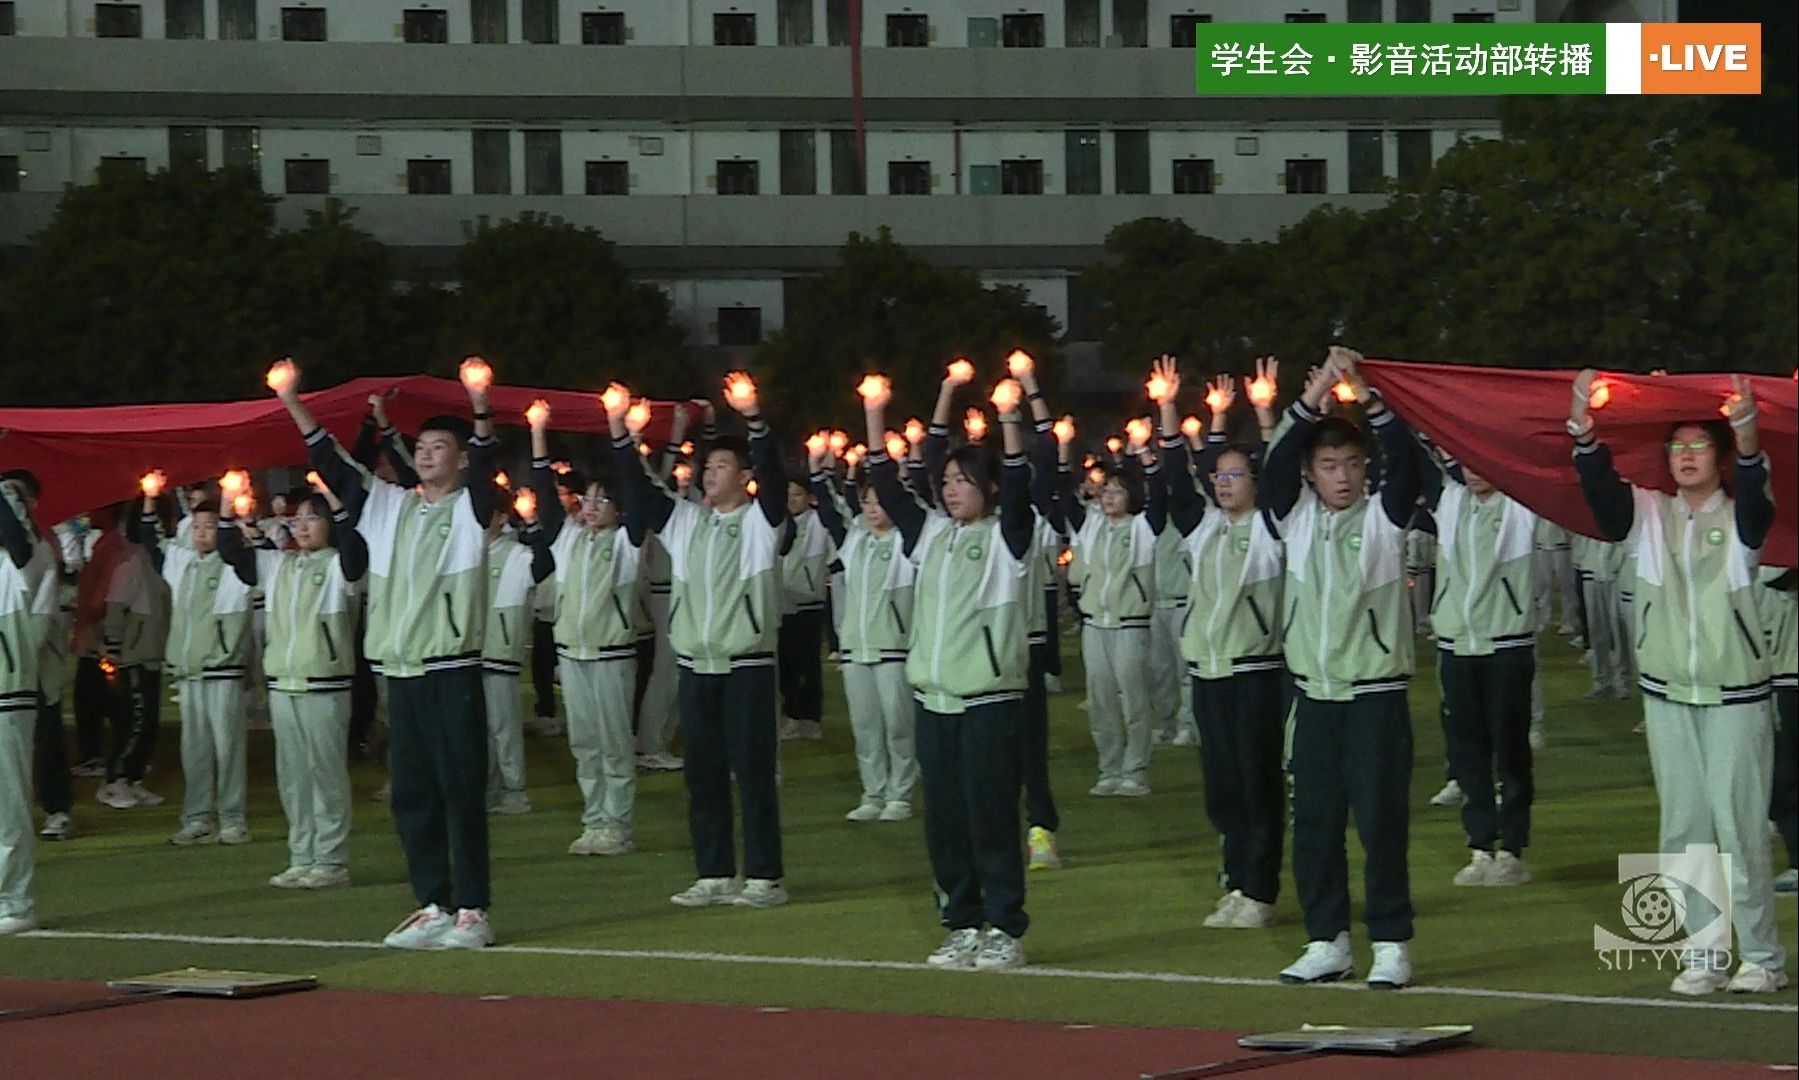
(1121, 921)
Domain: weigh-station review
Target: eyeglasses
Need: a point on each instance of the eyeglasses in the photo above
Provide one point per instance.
(1233, 475)
(1698, 446)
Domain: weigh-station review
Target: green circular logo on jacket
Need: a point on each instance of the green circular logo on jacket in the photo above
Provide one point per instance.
(974, 553)
(1714, 537)
(444, 530)
(212, 582)
(318, 578)
(495, 573)
(886, 554)
(732, 530)
(1242, 543)
(1354, 541)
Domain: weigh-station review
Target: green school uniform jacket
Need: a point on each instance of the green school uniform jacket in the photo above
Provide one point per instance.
(22, 626)
(803, 568)
(510, 597)
(209, 624)
(1780, 620)
(599, 575)
(1484, 573)
(878, 583)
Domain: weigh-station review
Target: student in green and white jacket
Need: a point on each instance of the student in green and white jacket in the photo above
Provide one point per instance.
(877, 615)
(1780, 618)
(310, 661)
(1597, 564)
(968, 664)
(1348, 641)
(515, 569)
(1702, 655)
(800, 644)
(23, 626)
(599, 562)
(208, 655)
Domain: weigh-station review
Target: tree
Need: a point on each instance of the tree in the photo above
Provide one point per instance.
(146, 287)
(886, 309)
(552, 305)
(339, 308)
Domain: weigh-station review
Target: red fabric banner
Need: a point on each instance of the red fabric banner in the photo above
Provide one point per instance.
(87, 458)
(1510, 426)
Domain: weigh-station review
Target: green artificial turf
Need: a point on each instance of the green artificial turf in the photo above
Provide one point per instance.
(1139, 877)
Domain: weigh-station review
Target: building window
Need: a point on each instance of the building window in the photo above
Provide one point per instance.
(543, 162)
(308, 176)
(1474, 17)
(1022, 177)
(427, 177)
(908, 178)
(237, 20)
(1305, 176)
(608, 178)
(119, 20)
(121, 163)
(493, 161)
(242, 148)
(1305, 17)
(426, 26)
(9, 163)
(799, 162)
(733, 28)
(1415, 158)
(1021, 31)
(1411, 11)
(1130, 162)
(1080, 26)
(1183, 30)
(1364, 11)
(603, 28)
(302, 24)
(7, 29)
(1367, 165)
(1081, 163)
(538, 22)
(184, 20)
(837, 22)
(737, 178)
(908, 31)
(846, 166)
(740, 326)
(487, 22)
(793, 22)
(187, 148)
(1130, 22)
(1193, 176)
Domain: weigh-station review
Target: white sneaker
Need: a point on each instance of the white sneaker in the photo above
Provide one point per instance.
(1185, 737)
(141, 795)
(232, 835)
(1392, 967)
(1132, 789)
(1449, 797)
(58, 827)
(865, 811)
(1642, 726)
(326, 877)
(1786, 884)
(423, 929)
(612, 840)
(1104, 788)
(1227, 907)
(1323, 961)
(1052, 684)
(761, 893)
(192, 833)
(1000, 951)
(114, 794)
(1247, 913)
(706, 892)
(1479, 870)
(91, 769)
(812, 730)
(586, 843)
(659, 762)
(1698, 982)
(513, 803)
(1159, 737)
(1508, 869)
(291, 878)
(472, 931)
(1041, 843)
(958, 950)
(1536, 738)
(17, 924)
(1755, 979)
(790, 729)
(897, 810)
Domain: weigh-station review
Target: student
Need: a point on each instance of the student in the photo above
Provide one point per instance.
(658, 713)
(876, 631)
(514, 571)
(804, 570)
(134, 632)
(312, 606)
(427, 614)
(22, 629)
(1231, 645)
(598, 577)
(1705, 672)
(1556, 580)
(1780, 618)
(51, 578)
(1597, 562)
(1486, 641)
(1348, 638)
(968, 664)
(1114, 564)
(725, 560)
(207, 657)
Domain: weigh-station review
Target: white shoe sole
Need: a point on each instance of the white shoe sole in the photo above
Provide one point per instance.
(1334, 976)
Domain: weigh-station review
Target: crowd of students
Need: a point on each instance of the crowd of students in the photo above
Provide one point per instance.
(1288, 566)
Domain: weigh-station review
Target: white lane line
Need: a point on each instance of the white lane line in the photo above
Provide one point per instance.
(828, 962)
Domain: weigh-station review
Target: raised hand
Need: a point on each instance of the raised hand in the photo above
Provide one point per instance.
(876, 391)
(958, 373)
(740, 394)
(537, 416)
(1221, 394)
(284, 378)
(1266, 384)
(1164, 380)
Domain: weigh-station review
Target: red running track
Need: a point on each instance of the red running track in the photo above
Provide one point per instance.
(330, 1034)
